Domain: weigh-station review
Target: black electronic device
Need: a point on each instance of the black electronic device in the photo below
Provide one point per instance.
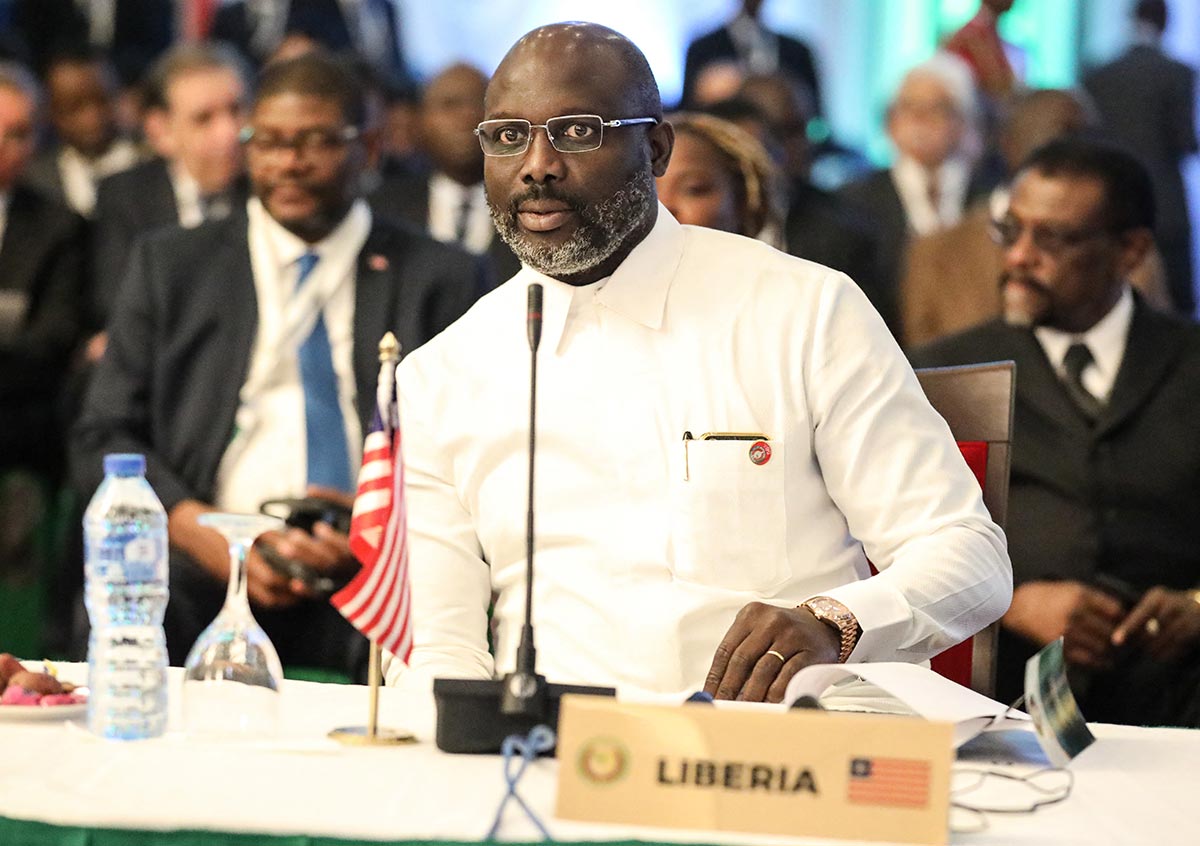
(304, 513)
(475, 715)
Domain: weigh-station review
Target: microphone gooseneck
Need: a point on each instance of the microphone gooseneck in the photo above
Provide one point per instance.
(524, 690)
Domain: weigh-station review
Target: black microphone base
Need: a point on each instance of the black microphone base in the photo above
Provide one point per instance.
(469, 720)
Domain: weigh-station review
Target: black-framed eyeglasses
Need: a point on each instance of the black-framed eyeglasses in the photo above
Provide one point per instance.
(567, 133)
(317, 141)
(1048, 239)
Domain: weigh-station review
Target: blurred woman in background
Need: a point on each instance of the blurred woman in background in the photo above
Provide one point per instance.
(721, 177)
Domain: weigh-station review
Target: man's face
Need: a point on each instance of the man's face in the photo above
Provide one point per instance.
(924, 122)
(81, 106)
(1064, 266)
(450, 110)
(300, 166)
(16, 135)
(572, 215)
(205, 111)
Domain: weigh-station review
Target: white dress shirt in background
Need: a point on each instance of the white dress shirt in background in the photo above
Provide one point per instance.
(1106, 340)
(80, 175)
(647, 545)
(912, 183)
(267, 457)
(446, 202)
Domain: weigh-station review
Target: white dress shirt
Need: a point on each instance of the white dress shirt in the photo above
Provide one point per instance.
(446, 199)
(80, 175)
(912, 184)
(647, 545)
(267, 457)
(187, 196)
(1106, 340)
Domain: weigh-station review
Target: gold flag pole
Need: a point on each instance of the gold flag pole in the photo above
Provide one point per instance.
(371, 734)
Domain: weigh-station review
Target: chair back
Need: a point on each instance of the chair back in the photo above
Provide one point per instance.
(976, 401)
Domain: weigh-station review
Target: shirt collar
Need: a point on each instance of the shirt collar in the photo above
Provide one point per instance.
(1106, 339)
(637, 289)
(286, 247)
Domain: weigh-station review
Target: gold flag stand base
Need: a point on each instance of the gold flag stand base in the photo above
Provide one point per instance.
(371, 734)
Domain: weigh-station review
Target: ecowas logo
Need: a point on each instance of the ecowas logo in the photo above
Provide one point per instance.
(603, 760)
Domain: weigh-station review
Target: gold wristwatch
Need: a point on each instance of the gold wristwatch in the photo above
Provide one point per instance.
(833, 613)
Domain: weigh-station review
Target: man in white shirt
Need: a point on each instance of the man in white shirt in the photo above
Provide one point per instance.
(655, 538)
(242, 354)
(1103, 501)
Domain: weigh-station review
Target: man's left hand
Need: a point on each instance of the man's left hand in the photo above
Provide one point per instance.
(747, 665)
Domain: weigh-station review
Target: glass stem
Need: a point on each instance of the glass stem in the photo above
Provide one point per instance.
(238, 596)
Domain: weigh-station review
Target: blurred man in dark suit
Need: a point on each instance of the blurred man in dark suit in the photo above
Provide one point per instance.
(242, 357)
(81, 89)
(1102, 524)
(931, 122)
(448, 202)
(746, 42)
(41, 256)
(1148, 102)
(197, 106)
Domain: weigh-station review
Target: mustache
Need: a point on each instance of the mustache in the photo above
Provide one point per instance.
(1024, 279)
(545, 192)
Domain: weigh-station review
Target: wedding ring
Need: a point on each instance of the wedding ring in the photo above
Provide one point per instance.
(777, 655)
(1153, 627)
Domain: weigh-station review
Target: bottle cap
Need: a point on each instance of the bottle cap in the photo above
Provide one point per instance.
(125, 464)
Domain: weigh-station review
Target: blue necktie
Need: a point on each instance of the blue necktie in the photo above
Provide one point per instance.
(325, 429)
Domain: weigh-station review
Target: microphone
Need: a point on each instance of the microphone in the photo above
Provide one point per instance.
(524, 689)
(476, 715)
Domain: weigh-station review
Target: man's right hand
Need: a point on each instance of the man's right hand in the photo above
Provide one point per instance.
(1041, 611)
(209, 549)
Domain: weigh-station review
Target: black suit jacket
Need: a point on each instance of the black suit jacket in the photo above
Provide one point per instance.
(128, 204)
(875, 196)
(1147, 101)
(795, 59)
(1120, 499)
(178, 354)
(404, 196)
(41, 260)
(821, 228)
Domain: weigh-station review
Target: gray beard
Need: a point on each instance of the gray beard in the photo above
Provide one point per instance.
(603, 228)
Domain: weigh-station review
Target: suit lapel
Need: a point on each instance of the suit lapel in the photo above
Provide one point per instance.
(1154, 345)
(1038, 386)
(233, 277)
(375, 284)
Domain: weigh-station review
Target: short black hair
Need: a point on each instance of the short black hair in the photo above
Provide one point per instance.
(1128, 191)
(316, 74)
(76, 54)
(1153, 12)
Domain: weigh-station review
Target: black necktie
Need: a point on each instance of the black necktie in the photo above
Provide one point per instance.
(1076, 361)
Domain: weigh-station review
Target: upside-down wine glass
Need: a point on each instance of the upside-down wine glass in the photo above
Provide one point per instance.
(232, 676)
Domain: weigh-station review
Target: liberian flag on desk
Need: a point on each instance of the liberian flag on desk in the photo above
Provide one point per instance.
(377, 601)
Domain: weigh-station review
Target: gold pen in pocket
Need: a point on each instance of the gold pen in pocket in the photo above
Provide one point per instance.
(733, 436)
(687, 436)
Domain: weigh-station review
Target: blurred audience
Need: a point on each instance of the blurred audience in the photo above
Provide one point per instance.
(1148, 102)
(721, 177)
(950, 277)
(448, 201)
(931, 123)
(196, 107)
(41, 265)
(258, 28)
(752, 48)
(240, 350)
(1102, 525)
(81, 90)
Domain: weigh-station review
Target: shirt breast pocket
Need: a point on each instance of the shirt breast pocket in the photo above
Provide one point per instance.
(729, 515)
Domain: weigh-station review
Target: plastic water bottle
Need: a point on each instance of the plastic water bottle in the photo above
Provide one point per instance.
(125, 533)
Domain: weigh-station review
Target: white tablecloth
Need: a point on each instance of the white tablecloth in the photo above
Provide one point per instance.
(1133, 786)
